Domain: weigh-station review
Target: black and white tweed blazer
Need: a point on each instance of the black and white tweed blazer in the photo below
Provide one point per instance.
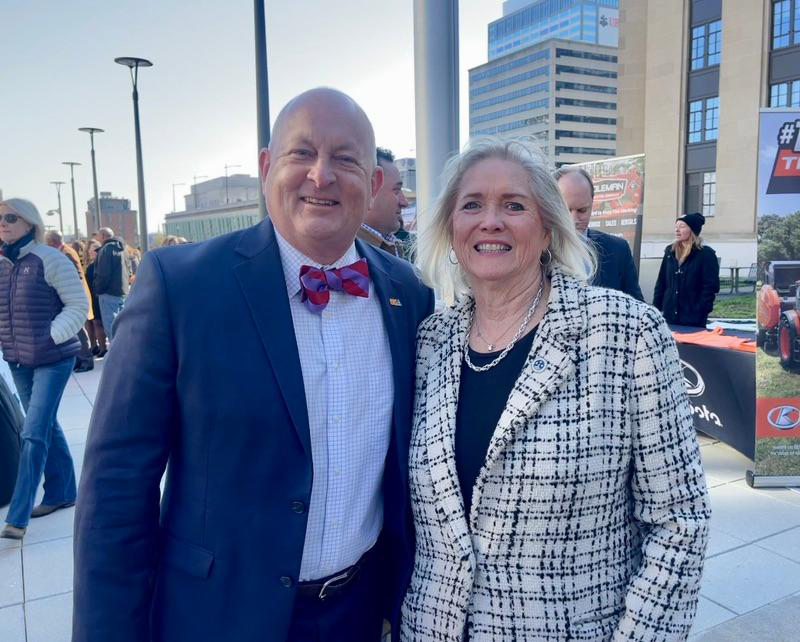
(589, 519)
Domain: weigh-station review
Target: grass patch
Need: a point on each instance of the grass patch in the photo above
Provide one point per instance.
(772, 380)
(741, 306)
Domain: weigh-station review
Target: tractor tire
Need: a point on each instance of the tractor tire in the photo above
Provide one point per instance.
(787, 340)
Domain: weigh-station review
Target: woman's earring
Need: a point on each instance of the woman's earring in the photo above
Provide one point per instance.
(549, 258)
(452, 257)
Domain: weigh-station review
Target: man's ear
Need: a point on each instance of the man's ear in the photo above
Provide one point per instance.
(377, 183)
(264, 159)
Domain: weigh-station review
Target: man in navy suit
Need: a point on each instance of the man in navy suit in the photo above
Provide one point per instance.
(615, 266)
(270, 373)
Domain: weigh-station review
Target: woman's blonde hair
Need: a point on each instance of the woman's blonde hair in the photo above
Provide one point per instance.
(681, 252)
(569, 250)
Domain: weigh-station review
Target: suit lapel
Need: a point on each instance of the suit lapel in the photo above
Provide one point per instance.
(263, 285)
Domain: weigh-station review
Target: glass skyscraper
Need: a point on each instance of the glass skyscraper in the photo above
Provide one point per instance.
(591, 21)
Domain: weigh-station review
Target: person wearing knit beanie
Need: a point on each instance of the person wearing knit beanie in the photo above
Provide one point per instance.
(695, 221)
(688, 280)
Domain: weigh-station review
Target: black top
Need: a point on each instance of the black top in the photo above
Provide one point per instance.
(482, 397)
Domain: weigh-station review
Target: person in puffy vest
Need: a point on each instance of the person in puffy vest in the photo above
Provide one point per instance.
(42, 307)
(688, 280)
(111, 277)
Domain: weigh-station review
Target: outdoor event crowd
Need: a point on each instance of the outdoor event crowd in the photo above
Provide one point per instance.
(348, 454)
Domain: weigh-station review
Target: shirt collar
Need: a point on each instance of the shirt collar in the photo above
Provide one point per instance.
(389, 239)
(293, 259)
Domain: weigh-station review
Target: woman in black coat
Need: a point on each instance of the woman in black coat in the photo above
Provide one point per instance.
(688, 279)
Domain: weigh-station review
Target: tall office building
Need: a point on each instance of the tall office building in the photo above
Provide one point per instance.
(524, 23)
(693, 75)
(561, 92)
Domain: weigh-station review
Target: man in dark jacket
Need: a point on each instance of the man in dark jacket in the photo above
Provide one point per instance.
(615, 266)
(111, 277)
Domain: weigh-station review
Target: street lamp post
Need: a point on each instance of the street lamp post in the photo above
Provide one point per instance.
(227, 167)
(174, 185)
(72, 165)
(134, 64)
(194, 188)
(98, 214)
(58, 185)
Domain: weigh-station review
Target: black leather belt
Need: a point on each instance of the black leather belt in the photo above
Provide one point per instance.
(330, 586)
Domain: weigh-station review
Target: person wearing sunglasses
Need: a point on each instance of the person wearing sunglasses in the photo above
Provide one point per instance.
(42, 308)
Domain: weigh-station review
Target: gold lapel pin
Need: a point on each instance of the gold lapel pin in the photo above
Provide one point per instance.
(395, 302)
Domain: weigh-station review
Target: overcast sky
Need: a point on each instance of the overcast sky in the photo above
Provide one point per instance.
(197, 103)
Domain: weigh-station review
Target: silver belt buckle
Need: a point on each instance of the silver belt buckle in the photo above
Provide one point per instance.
(322, 592)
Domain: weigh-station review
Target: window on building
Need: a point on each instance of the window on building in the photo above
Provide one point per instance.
(706, 45)
(703, 120)
(785, 94)
(577, 102)
(595, 120)
(709, 193)
(579, 86)
(584, 150)
(785, 23)
(601, 73)
(566, 133)
(701, 192)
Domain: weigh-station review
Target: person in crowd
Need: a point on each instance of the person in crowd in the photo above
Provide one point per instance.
(285, 513)
(111, 277)
(181, 240)
(688, 279)
(383, 218)
(80, 249)
(85, 359)
(615, 266)
(42, 308)
(169, 241)
(556, 482)
(94, 327)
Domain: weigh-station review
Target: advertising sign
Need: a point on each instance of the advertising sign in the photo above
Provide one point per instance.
(777, 447)
(608, 27)
(618, 198)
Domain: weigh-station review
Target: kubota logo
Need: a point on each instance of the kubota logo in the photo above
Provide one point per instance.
(784, 417)
(695, 386)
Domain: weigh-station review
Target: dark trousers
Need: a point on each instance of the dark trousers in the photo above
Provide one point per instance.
(352, 616)
(85, 357)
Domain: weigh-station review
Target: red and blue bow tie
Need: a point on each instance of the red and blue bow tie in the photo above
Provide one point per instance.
(316, 283)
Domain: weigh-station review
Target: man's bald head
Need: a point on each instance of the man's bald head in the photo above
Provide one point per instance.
(331, 99)
(319, 175)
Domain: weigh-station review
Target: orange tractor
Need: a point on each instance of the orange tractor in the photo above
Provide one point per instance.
(779, 313)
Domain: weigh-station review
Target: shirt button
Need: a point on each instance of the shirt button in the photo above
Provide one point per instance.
(286, 581)
(298, 507)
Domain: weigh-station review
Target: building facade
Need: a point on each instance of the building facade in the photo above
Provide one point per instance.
(525, 23)
(116, 213)
(692, 77)
(216, 206)
(222, 191)
(563, 93)
(200, 225)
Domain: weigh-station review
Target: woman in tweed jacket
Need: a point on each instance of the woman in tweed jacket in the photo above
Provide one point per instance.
(586, 515)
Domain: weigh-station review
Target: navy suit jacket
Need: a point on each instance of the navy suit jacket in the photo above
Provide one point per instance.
(204, 380)
(615, 267)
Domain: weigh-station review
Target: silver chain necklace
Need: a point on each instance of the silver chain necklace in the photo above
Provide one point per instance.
(508, 348)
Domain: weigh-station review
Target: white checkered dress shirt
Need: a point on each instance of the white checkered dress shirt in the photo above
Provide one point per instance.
(347, 375)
